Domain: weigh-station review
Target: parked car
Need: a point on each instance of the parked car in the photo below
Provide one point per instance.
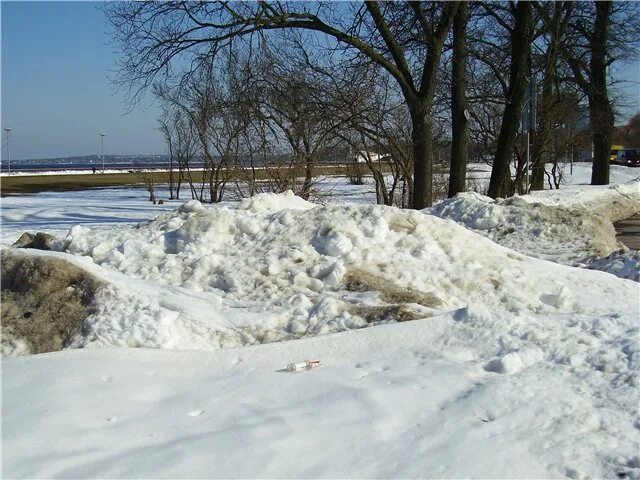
(630, 157)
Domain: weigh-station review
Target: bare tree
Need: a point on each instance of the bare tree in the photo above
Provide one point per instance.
(459, 113)
(177, 127)
(600, 33)
(521, 34)
(555, 19)
(376, 125)
(406, 39)
(167, 122)
(289, 104)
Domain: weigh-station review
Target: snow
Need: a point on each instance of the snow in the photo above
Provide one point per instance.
(57, 212)
(621, 264)
(512, 366)
(565, 226)
(385, 404)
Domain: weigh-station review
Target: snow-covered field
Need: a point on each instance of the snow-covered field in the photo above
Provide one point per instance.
(512, 366)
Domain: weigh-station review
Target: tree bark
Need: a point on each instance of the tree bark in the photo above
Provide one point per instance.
(459, 124)
(500, 184)
(422, 146)
(599, 104)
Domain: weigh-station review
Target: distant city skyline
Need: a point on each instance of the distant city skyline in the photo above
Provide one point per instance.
(56, 95)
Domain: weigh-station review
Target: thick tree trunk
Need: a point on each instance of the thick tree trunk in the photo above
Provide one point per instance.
(459, 133)
(599, 105)
(422, 146)
(500, 184)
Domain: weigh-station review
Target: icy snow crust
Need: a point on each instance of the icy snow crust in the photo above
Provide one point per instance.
(519, 367)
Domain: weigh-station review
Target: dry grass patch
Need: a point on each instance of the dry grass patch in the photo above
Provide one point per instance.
(45, 302)
(357, 280)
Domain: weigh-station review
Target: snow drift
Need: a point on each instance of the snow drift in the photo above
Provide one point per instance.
(275, 267)
(568, 226)
(507, 360)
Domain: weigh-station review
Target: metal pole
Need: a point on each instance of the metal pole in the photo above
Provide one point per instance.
(526, 185)
(571, 170)
(102, 135)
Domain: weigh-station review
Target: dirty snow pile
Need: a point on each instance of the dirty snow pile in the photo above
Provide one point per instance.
(568, 226)
(512, 366)
(294, 269)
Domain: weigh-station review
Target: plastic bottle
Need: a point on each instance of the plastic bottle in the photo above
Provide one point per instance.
(303, 366)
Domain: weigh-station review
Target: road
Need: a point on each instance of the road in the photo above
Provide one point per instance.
(628, 231)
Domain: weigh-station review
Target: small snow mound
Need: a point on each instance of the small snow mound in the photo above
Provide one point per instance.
(564, 299)
(274, 202)
(515, 361)
(249, 226)
(191, 206)
(332, 243)
(472, 314)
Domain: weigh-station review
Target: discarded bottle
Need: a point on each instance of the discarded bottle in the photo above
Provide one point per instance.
(303, 366)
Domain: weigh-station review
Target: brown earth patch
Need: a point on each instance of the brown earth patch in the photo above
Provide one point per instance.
(45, 301)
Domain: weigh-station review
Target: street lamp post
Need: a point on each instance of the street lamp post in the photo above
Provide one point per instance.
(102, 135)
(8, 130)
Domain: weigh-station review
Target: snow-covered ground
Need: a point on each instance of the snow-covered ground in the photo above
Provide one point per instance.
(57, 212)
(512, 366)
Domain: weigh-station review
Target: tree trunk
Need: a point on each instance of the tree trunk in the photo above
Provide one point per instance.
(422, 146)
(308, 176)
(459, 131)
(500, 184)
(599, 105)
(540, 150)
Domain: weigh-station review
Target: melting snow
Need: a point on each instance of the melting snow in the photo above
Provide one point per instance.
(513, 366)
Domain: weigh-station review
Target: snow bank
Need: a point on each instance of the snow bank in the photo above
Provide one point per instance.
(509, 358)
(286, 267)
(564, 226)
(614, 202)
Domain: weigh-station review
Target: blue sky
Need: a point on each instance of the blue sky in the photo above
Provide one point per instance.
(55, 92)
(55, 89)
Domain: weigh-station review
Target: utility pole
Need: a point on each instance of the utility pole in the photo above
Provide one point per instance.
(102, 135)
(8, 130)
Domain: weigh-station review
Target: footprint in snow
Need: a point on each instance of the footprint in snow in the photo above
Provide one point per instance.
(195, 413)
